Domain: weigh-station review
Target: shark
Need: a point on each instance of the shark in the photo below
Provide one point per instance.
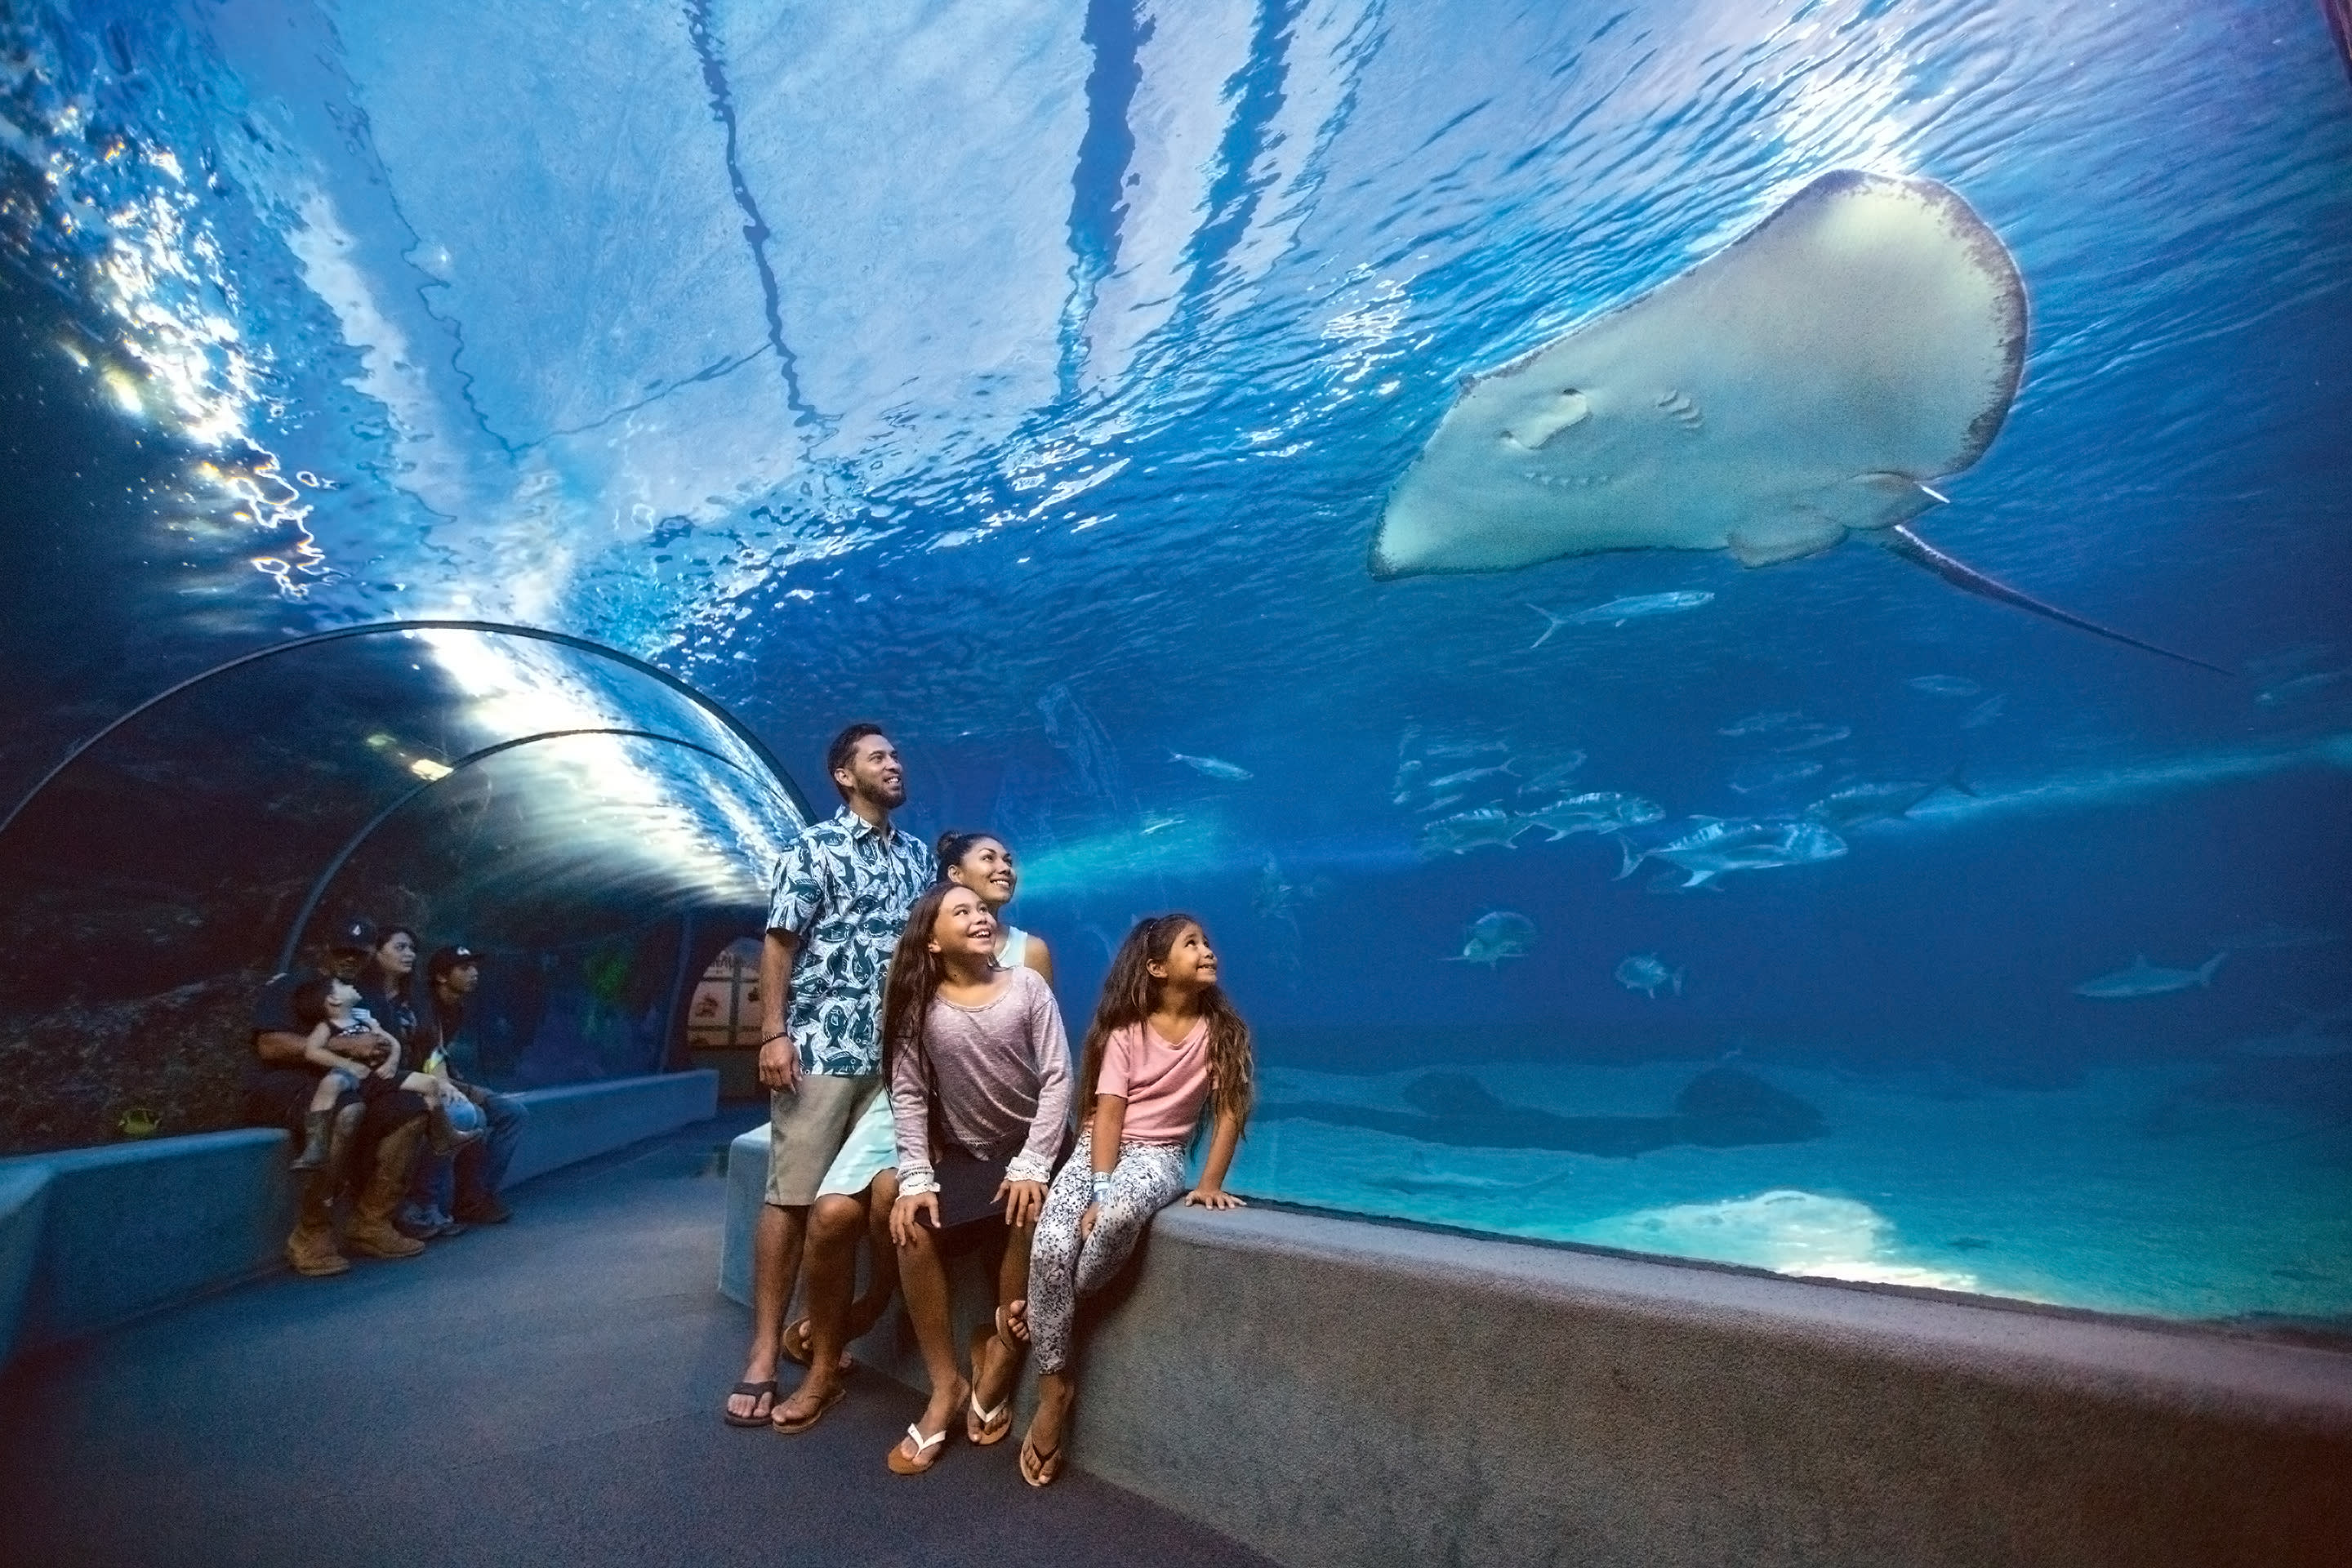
(1815, 379)
(2146, 979)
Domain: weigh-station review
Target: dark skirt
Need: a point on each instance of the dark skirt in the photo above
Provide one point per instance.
(968, 1186)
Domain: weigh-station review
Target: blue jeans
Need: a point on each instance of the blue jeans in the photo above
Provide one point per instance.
(473, 1174)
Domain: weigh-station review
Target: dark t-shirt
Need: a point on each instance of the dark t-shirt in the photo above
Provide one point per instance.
(391, 1009)
(273, 1011)
(438, 1024)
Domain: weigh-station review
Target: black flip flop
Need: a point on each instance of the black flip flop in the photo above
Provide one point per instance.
(755, 1390)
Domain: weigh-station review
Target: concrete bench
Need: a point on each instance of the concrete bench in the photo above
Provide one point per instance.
(91, 1237)
(1332, 1390)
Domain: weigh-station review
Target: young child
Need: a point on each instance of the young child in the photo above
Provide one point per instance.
(332, 1009)
(977, 1067)
(1165, 1041)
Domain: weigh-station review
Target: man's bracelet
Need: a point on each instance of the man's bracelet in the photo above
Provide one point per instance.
(780, 1035)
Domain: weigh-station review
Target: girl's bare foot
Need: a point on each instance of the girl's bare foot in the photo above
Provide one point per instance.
(1040, 1450)
(920, 1449)
(1012, 1323)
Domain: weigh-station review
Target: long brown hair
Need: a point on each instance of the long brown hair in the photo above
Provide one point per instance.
(914, 981)
(1129, 994)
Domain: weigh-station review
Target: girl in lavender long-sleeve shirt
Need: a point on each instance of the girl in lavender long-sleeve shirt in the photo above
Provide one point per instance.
(978, 1071)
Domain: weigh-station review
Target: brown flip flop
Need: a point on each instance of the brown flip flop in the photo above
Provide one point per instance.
(927, 1450)
(795, 1427)
(757, 1391)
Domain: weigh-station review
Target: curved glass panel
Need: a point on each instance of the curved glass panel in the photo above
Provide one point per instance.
(526, 796)
(1684, 588)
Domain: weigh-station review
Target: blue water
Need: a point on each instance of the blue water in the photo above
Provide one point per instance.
(1032, 378)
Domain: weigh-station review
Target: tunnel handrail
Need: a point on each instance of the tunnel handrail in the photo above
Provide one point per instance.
(334, 867)
(702, 700)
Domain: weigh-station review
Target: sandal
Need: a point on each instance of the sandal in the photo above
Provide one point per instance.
(793, 1428)
(1039, 1470)
(926, 1451)
(797, 1349)
(755, 1390)
(986, 1428)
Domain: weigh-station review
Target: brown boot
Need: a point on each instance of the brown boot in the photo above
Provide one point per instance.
(311, 1249)
(370, 1233)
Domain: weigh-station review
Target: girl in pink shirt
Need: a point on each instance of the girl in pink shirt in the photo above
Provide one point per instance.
(1165, 1041)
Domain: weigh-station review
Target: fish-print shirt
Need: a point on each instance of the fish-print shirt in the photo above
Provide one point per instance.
(845, 890)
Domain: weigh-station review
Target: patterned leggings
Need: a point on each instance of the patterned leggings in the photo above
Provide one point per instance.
(1149, 1177)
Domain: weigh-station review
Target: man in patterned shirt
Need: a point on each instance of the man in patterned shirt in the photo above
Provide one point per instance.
(842, 893)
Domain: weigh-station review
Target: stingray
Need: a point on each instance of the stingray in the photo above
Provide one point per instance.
(1813, 379)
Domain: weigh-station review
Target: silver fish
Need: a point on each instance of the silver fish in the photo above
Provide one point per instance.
(1944, 685)
(1636, 607)
(1600, 812)
(1857, 803)
(1552, 777)
(1213, 767)
(1764, 724)
(1986, 711)
(1750, 777)
(1494, 937)
(2146, 979)
(2301, 687)
(1645, 972)
(1814, 735)
(1469, 776)
(1718, 849)
(1467, 831)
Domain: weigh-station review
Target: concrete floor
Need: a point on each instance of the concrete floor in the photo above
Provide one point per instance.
(544, 1392)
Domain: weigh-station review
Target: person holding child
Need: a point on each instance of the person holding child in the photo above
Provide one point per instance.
(1165, 1042)
(977, 1065)
(340, 1030)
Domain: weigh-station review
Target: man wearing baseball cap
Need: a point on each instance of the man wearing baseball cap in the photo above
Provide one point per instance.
(376, 1127)
(470, 1191)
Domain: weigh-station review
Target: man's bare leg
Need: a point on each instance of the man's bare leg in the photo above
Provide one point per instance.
(776, 1264)
(834, 1225)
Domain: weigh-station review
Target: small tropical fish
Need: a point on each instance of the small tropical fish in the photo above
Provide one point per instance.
(1763, 723)
(1213, 767)
(2146, 979)
(1645, 971)
(1600, 812)
(1986, 711)
(1750, 777)
(1465, 831)
(1944, 685)
(1494, 937)
(1857, 803)
(1617, 612)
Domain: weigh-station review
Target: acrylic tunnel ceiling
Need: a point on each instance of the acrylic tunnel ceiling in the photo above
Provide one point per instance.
(1034, 377)
(490, 781)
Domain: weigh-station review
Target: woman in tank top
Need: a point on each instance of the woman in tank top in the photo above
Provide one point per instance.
(981, 862)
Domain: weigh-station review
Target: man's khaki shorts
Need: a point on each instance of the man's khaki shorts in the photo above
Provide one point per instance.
(807, 1124)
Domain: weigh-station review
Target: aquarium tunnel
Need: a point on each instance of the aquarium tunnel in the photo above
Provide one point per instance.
(1733, 615)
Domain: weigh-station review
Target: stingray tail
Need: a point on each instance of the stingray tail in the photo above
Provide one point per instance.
(1959, 574)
